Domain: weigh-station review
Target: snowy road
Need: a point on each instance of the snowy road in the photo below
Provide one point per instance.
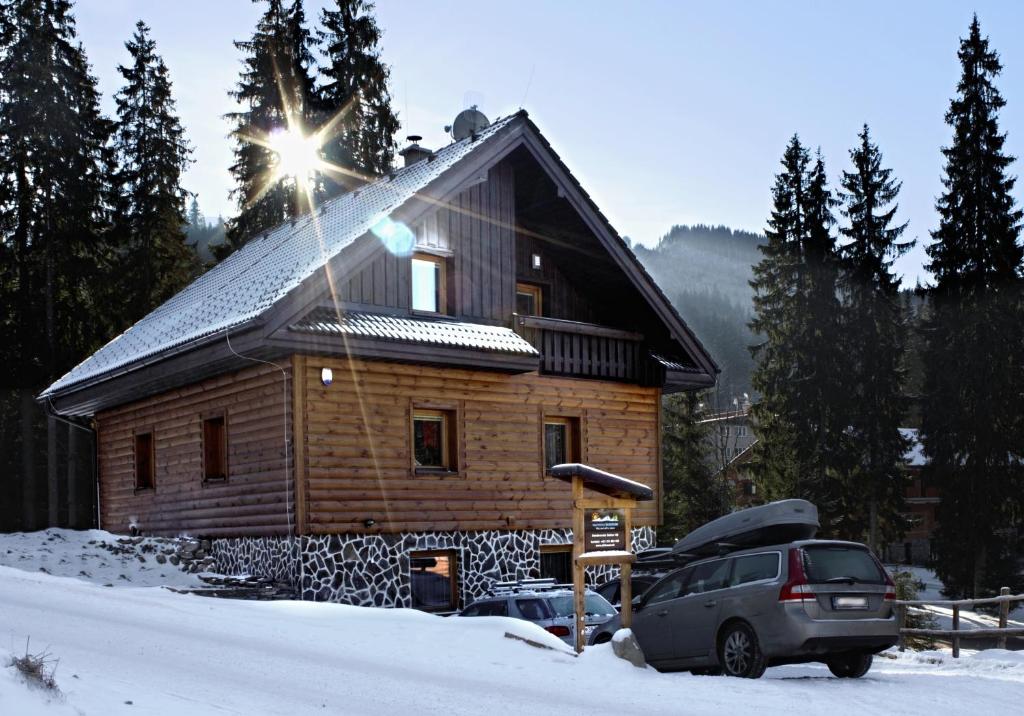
(175, 654)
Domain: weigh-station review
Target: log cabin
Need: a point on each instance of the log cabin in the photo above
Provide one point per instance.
(366, 401)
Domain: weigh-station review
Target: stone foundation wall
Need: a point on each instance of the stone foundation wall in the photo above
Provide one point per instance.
(374, 570)
(271, 557)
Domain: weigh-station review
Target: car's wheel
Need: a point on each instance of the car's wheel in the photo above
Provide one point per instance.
(603, 638)
(850, 666)
(739, 653)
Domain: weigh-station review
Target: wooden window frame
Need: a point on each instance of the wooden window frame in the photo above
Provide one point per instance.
(203, 419)
(453, 575)
(535, 290)
(452, 436)
(441, 288)
(152, 459)
(577, 435)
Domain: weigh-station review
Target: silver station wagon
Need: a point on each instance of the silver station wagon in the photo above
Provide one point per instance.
(800, 601)
(754, 589)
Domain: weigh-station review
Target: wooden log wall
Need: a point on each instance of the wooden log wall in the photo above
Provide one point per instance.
(357, 456)
(255, 498)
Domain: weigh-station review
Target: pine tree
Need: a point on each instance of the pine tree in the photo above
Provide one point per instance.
(152, 153)
(694, 493)
(874, 339)
(355, 102)
(276, 91)
(974, 355)
(54, 212)
(195, 218)
(800, 422)
(53, 165)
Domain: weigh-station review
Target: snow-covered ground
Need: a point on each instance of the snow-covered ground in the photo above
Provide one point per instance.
(97, 556)
(147, 650)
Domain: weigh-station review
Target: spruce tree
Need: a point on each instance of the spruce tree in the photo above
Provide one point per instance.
(800, 421)
(53, 165)
(54, 211)
(694, 492)
(874, 340)
(355, 103)
(974, 355)
(152, 153)
(276, 91)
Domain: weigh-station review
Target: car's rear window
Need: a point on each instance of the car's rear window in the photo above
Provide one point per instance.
(824, 563)
(533, 609)
(593, 604)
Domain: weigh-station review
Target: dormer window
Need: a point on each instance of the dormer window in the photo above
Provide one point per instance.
(428, 283)
(528, 299)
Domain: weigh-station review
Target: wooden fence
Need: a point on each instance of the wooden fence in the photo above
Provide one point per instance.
(956, 633)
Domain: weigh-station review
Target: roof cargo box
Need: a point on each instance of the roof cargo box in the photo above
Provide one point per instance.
(774, 523)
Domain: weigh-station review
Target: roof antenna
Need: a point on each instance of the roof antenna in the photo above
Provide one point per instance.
(528, 83)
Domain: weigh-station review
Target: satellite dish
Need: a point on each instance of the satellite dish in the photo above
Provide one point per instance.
(469, 122)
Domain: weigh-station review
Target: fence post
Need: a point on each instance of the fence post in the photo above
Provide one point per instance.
(956, 628)
(901, 622)
(1004, 613)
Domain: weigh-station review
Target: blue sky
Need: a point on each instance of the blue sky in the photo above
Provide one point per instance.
(668, 112)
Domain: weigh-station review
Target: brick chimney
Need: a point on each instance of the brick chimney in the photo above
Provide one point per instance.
(414, 152)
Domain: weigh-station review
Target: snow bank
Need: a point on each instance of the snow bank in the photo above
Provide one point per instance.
(171, 653)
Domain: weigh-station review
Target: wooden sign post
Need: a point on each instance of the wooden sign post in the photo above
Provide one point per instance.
(601, 532)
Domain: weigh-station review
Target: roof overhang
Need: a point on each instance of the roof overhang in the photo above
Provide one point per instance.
(606, 483)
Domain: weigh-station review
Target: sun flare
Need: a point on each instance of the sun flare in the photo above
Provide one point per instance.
(298, 154)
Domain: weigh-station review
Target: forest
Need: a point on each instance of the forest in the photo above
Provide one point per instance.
(809, 319)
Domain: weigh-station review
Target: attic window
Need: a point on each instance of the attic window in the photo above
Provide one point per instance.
(529, 299)
(428, 283)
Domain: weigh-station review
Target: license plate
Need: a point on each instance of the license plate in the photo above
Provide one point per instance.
(849, 602)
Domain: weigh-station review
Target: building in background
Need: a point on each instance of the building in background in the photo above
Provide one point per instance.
(922, 500)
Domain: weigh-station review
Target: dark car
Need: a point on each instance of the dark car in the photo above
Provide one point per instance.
(544, 603)
(612, 589)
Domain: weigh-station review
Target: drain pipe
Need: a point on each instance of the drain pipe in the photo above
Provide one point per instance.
(288, 456)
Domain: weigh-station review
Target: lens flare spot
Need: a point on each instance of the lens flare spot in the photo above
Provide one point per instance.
(297, 155)
(396, 236)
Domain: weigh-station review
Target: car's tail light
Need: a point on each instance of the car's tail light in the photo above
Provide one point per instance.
(796, 588)
(890, 586)
(558, 630)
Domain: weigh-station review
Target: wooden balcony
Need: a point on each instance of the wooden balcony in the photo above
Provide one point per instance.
(587, 350)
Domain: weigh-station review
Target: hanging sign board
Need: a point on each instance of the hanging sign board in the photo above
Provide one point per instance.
(600, 532)
(605, 530)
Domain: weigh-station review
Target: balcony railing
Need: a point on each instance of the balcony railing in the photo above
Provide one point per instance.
(586, 350)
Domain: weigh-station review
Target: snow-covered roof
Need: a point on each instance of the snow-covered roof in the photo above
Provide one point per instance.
(914, 456)
(268, 267)
(415, 330)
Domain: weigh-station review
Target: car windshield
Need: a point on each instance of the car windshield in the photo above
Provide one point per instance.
(594, 604)
(841, 563)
